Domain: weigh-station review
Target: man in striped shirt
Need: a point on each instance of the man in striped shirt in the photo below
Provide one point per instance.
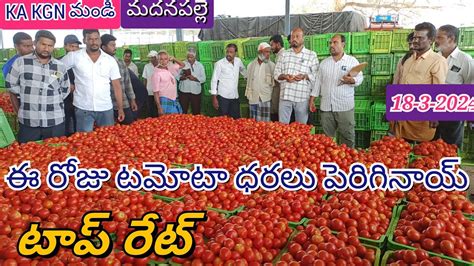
(336, 88)
(296, 72)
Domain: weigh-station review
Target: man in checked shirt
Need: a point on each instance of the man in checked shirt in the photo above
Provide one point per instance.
(296, 72)
(42, 83)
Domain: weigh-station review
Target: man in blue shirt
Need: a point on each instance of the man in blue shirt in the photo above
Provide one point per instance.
(23, 45)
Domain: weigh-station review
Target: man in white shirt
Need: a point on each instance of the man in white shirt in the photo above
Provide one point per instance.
(94, 70)
(460, 71)
(336, 88)
(296, 71)
(192, 76)
(225, 81)
(276, 42)
(260, 84)
(148, 71)
(127, 58)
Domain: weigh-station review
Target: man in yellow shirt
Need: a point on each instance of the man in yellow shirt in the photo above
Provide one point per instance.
(423, 67)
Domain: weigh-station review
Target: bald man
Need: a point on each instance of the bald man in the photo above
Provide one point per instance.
(296, 72)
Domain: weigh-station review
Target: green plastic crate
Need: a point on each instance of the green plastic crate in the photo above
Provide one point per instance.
(144, 52)
(396, 59)
(208, 69)
(13, 122)
(466, 38)
(168, 47)
(181, 50)
(204, 49)
(314, 118)
(377, 135)
(308, 42)
(364, 58)
(217, 50)
(59, 52)
(247, 62)
(207, 108)
(154, 47)
(379, 84)
(6, 133)
(322, 57)
(135, 52)
(399, 40)
(380, 42)
(468, 145)
(244, 110)
(362, 139)
(206, 88)
(241, 88)
(3, 55)
(119, 52)
(320, 43)
(471, 53)
(251, 46)
(381, 64)
(360, 42)
(364, 88)
(361, 114)
(11, 52)
(392, 245)
(377, 117)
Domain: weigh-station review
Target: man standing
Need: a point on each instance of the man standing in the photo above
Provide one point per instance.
(42, 83)
(336, 88)
(128, 95)
(164, 84)
(423, 67)
(148, 71)
(296, 72)
(225, 82)
(276, 42)
(23, 46)
(127, 58)
(260, 84)
(191, 80)
(459, 72)
(71, 44)
(94, 70)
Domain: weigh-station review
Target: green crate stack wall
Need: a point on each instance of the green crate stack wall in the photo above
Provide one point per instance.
(168, 47)
(315, 117)
(144, 52)
(251, 46)
(217, 50)
(361, 114)
(11, 52)
(59, 52)
(320, 43)
(181, 50)
(364, 58)
(364, 88)
(12, 119)
(119, 52)
(244, 110)
(399, 40)
(377, 116)
(154, 47)
(396, 59)
(466, 38)
(247, 62)
(240, 46)
(360, 42)
(3, 55)
(471, 53)
(206, 88)
(208, 69)
(362, 139)
(380, 42)
(379, 84)
(141, 65)
(204, 49)
(377, 134)
(308, 42)
(206, 106)
(381, 64)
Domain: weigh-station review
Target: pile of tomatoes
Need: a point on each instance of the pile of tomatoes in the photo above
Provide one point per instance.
(5, 103)
(258, 235)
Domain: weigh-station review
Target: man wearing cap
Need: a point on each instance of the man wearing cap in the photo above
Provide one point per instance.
(191, 79)
(148, 71)
(164, 84)
(71, 44)
(260, 84)
(42, 84)
(128, 95)
(296, 71)
(94, 70)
